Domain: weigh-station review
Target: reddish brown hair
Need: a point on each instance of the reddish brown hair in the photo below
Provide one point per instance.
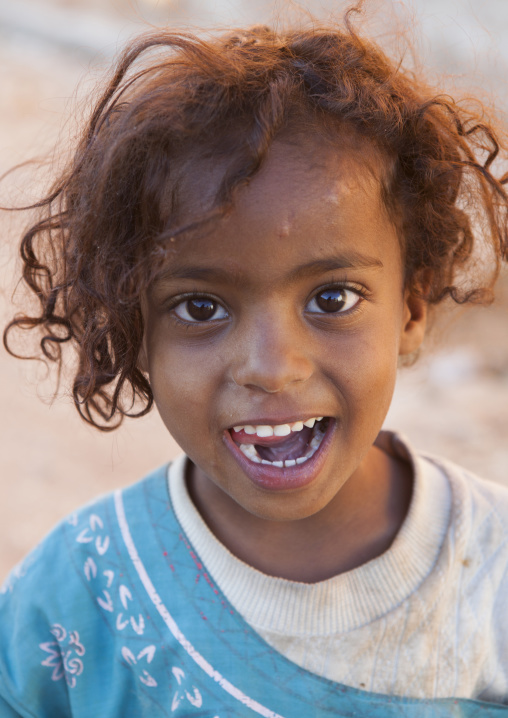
(103, 230)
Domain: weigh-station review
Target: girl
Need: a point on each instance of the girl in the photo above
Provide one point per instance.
(253, 231)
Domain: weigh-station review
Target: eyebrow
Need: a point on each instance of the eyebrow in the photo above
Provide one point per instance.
(347, 260)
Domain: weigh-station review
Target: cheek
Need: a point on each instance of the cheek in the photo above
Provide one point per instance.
(183, 383)
(365, 367)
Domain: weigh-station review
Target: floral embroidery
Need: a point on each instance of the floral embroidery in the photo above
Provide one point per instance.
(65, 655)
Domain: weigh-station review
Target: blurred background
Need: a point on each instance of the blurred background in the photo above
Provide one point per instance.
(453, 402)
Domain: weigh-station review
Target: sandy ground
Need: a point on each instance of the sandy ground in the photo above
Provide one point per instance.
(454, 402)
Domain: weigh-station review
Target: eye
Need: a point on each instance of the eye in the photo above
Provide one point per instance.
(334, 300)
(199, 309)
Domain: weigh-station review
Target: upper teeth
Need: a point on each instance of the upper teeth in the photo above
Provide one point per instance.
(264, 430)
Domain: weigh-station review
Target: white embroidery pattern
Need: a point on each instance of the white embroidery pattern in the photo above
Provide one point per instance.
(116, 599)
(17, 573)
(113, 596)
(195, 697)
(96, 525)
(182, 694)
(14, 576)
(95, 535)
(148, 652)
(65, 655)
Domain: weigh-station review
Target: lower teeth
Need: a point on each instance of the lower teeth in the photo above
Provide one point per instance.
(250, 452)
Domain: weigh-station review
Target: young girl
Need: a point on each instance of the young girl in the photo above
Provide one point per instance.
(252, 233)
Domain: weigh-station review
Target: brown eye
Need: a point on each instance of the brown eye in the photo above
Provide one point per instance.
(199, 309)
(334, 300)
(331, 300)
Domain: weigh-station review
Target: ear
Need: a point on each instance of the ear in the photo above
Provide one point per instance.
(142, 362)
(414, 322)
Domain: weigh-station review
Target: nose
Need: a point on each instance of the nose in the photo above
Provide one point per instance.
(271, 355)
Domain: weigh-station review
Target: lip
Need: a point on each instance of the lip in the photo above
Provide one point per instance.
(273, 478)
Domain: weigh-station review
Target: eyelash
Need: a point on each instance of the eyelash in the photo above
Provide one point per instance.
(360, 291)
(183, 298)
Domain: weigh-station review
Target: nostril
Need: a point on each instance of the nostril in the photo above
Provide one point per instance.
(272, 378)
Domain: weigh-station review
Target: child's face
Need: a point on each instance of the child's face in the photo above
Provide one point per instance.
(292, 308)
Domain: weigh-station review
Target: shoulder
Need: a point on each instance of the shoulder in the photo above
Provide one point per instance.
(477, 561)
(475, 513)
(479, 506)
(477, 542)
(55, 602)
(90, 527)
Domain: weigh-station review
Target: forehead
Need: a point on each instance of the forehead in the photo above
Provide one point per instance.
(314, 182)
(310, 201)
(327, 168)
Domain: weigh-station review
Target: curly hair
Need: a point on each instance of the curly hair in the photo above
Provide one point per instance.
(103, 230)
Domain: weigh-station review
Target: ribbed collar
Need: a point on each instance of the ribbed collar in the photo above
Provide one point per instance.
(346, 601)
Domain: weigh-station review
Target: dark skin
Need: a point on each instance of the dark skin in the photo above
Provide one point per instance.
(311, 221)
(321, 546)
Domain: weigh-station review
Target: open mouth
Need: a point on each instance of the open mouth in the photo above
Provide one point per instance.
(281, 445)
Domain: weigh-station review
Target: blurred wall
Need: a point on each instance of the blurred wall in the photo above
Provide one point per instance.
(454, 402)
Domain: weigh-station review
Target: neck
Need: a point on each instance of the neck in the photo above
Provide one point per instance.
(358, 525)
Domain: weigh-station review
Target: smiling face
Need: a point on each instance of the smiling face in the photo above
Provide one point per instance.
(272, 342)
